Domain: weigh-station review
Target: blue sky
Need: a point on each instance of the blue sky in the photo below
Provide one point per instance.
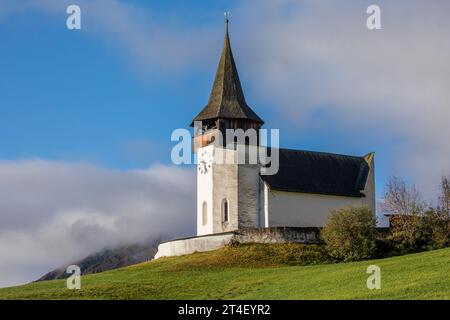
(86, 116)
(66, 95)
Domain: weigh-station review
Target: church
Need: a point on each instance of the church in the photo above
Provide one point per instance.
(235, 196)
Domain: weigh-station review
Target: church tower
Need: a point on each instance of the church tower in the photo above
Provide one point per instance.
(228, 193)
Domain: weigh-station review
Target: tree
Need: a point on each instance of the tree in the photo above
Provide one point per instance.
(439, 228)
(444, 198)
(406, 208)
(401, 199)
(350, 233)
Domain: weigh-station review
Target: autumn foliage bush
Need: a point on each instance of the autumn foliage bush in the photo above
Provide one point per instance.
(350, 234)
(412, 233)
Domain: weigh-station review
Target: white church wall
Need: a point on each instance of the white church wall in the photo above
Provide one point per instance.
(204, 194)
(248, 195)
(302, 209)
(225, 186)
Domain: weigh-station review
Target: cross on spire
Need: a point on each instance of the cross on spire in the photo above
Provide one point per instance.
(227, 16)
(227, 19)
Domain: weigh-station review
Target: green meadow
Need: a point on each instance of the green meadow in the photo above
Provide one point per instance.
(254, 272)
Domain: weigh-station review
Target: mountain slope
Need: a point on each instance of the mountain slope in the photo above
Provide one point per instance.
(200, 276)
(108, 259)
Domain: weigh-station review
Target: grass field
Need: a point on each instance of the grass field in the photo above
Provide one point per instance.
(234, 273)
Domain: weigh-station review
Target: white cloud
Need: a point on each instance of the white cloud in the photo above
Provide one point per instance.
(54, 212)
(389, 87)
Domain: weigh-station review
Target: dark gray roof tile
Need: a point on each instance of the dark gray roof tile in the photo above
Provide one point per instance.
(319, 172)
(227, 98)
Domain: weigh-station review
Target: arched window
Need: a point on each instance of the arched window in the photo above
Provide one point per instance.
(225, 212)
(204, 213)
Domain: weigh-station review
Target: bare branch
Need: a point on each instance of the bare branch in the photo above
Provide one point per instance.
(402, 199)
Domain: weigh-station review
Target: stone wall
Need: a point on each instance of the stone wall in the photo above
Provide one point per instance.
(210, 242)
(309, 235)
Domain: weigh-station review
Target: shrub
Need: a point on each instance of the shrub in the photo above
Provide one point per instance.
(350, 233)
(409, 233)
(439, 229)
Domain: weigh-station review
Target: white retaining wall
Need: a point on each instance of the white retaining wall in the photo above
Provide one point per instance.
(191, 245)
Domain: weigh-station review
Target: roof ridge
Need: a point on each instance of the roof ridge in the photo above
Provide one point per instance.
(323, 152)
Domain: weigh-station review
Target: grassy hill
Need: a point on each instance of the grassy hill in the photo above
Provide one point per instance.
(254, 272)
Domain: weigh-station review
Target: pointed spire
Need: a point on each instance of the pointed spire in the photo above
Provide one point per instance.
(227, 98)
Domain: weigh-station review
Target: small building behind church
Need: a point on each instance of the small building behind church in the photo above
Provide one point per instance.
(233, 198)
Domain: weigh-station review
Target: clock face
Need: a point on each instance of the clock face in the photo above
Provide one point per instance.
(205, 162)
